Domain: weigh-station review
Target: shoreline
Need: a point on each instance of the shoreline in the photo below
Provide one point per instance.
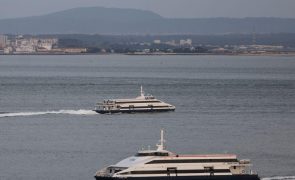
(154, 54)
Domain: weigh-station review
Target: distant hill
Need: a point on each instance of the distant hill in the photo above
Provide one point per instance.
(91, 20)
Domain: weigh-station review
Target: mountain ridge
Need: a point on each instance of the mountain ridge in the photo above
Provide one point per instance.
(101, 20)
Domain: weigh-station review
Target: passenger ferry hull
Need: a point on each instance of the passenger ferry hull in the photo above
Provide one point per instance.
(214, 177)
(132, 111)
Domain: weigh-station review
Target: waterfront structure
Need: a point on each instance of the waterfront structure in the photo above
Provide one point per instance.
(74, 50)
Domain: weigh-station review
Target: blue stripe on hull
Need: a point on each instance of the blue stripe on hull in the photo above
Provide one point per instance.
(216, 177)
(133, 111)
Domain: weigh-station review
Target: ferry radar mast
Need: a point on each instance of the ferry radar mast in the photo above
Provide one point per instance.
(161, 146)
(141, 91)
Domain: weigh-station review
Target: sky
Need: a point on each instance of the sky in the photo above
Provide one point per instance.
(166, 8)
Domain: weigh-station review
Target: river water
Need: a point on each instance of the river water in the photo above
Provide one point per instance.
(224, 104)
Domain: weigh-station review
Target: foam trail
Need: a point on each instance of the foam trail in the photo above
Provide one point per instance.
(279, 178)
(74, 112)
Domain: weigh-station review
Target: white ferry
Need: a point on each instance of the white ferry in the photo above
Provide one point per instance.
(142, 103)
(161, 164)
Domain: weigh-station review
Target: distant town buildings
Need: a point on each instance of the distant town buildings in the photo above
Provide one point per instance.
(187, 42)
(30, 45)
(8, 50)
(182, 42)
(157, 41)
(257, 49)
(33, 45)
(3, 41)
(171, 43)
(19, 44)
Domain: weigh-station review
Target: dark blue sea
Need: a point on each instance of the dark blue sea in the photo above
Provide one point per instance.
(243, 105)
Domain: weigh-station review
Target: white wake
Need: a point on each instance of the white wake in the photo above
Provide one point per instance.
(279, 178)
(73, 112)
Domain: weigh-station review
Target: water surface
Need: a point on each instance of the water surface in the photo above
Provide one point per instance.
(224, 104)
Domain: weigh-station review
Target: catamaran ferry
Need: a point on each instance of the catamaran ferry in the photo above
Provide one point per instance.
(142, 103)
(161, 164)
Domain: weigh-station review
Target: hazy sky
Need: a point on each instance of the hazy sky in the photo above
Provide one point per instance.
(166, 8)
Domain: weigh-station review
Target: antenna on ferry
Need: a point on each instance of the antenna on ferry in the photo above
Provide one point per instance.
(161, 145)
(141, 91)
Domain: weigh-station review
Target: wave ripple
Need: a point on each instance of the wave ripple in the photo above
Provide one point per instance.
(73, 112)
(279, 178)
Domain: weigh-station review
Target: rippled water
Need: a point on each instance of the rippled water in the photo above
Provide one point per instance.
(224, 104)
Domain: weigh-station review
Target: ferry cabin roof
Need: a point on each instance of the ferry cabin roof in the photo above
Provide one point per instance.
(130, 100)
(162, 158)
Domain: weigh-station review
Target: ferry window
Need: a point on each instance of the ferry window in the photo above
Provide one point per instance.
(208, 169)
(144, 154)
(153, 154)
(171, 171)
(161, 154)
